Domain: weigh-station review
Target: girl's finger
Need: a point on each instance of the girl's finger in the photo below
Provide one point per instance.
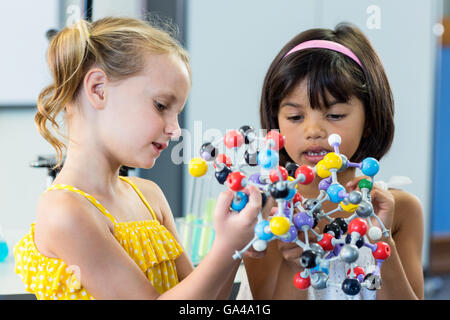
(253, 207)
(224, 202)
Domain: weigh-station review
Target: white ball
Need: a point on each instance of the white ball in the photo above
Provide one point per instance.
(334, 139)
(375, 233)
(260, 245)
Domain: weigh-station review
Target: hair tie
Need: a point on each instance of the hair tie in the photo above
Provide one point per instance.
(325, 44)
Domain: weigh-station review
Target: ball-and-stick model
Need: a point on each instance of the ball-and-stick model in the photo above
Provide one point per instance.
(341, 238)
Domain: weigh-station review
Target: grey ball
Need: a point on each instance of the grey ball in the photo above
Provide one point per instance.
(317, 249)
(365, 209)
(349, 253)
(319, 280)
(344, 163)
(355, 197)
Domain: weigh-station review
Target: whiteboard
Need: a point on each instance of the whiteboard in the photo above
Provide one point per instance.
(23, 47)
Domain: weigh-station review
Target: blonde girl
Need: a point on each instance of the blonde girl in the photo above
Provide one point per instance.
(119, 85)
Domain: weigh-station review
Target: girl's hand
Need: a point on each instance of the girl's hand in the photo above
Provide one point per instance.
(382, 200)
(234, 230)
(290, 252)
(267, 211)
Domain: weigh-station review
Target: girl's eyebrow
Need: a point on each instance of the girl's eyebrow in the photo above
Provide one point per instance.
(291, 104)
(169, 96)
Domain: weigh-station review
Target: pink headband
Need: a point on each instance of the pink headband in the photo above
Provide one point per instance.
(325, 44)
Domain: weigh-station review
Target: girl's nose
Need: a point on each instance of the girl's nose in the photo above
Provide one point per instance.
(314, 130)
(173, 129)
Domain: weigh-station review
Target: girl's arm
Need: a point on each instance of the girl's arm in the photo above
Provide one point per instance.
(183, 263)
(402, 273)
(79, 236)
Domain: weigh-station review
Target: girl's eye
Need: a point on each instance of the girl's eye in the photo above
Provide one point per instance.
(160, 106)
(295, 118)
(336, 116)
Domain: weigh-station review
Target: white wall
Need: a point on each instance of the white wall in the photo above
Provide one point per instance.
(233, 42)
(128, 8)
(23, 27)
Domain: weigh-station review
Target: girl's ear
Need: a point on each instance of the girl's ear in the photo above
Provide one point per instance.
(94, 87)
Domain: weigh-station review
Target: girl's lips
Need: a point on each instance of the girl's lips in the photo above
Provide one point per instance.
(315, 154)
(158, 147)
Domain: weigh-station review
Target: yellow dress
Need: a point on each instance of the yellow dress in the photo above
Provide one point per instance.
(148, 243)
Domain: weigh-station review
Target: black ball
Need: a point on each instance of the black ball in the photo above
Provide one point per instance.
(278, 190)
(316, 220)
(246, 130)
(351, 287)
(342, 224)
(222, 175)
(207, 149)
(264, 200)
(374, 281)
(308, 259)
(359, 243)
(251, 158)
(291, 168)
(334, 228)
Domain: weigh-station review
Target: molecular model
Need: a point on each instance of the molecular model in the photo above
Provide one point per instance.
(341, 238)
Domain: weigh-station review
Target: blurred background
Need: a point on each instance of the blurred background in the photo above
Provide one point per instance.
(231, 44)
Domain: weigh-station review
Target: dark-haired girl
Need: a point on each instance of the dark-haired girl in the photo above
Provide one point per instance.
(332, 81)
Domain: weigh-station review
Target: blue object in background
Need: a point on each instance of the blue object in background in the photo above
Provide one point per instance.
(3, 246)
(3, 251)
(440, 223)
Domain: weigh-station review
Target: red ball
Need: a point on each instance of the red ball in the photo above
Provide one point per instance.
(358, 225)
(274, 174)
(300, 282)
(233, 139)
(382, 252)
(326, 242)
(297, 198)
(223, 158)
(357, 271)
(307, 171)
(236, 181)
(277, 138)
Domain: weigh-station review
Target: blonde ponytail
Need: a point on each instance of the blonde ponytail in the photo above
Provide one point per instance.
(116, 45)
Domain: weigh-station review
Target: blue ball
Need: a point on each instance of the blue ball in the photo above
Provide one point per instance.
(370, 166)
(291, 194)
(268, 159)
(239, 201)
(259, 230)
(319, 268)
(333, 192)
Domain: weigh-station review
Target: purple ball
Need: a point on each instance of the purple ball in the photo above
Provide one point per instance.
(303, 219)
(292, 234)
(324, 184)
(255, 178)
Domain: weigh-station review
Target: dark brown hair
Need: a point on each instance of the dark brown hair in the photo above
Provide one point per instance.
(333, 73)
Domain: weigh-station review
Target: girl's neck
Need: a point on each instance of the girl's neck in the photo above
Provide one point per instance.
(90, 170)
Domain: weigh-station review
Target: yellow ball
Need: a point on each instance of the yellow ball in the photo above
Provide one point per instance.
(332, 161)
(321, 170)
(349, 207)
(197, 167)
(292, 179)
(279, 225)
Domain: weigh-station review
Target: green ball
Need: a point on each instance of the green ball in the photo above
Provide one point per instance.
(365, 184)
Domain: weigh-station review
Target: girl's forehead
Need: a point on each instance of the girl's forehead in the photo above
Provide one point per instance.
(309, 94)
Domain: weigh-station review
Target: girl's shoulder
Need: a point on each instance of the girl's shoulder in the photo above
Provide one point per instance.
(408, 210)
(62, 213)
(153, 194)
